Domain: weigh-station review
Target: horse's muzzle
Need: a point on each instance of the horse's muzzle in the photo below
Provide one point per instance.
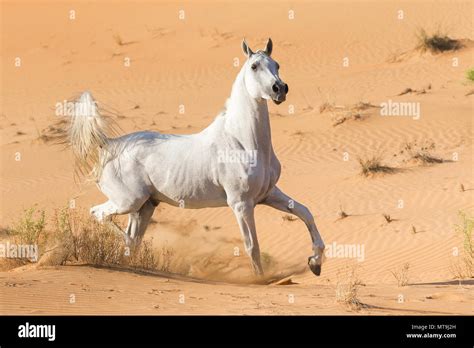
(279, 99)
(280, 91)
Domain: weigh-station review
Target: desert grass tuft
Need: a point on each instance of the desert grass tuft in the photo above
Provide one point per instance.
(373, 165)
(427, 158)
(347, 288)
(464, 267)
(421, 153)
(436, 42)
(401, 275)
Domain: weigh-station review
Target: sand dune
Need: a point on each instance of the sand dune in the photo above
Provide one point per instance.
(190, 62)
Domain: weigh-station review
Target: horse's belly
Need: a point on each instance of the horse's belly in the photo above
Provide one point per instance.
(192, 194)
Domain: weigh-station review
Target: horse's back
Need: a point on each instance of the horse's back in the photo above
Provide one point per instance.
(142, 137)
(174, 168)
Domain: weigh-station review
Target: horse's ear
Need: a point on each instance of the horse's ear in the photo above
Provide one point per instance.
(247, 50)
(269, 47)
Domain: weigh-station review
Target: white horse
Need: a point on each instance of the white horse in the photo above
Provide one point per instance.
(230, 163)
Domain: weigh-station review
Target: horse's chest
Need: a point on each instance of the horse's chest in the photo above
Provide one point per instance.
(262, 178)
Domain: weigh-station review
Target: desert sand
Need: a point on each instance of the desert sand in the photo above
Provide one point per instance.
(338, 54)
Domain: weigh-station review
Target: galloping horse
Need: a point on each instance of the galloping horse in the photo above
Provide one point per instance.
(229, 163)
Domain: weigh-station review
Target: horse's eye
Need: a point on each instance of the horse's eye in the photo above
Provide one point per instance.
(254, 66)
(278, 66)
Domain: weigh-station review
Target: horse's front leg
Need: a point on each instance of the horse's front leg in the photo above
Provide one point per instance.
(244, 212)
(280, 201)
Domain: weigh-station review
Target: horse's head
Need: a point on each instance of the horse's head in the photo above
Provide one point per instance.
(261, 74)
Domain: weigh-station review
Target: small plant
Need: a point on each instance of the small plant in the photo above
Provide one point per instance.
(413, 230)
(347, 288)
(165, 258)
(373, 165)
(298, 133)
(288, 217)
(326, 106)
(267, 260)
(465, 267)
(55, 133)
(426, 158)
(342, 214)
(63, 237)
(436, 42)
(342, 113)
(119, 41)
(401, 275)
(30, 227)
(470, 74)
(387, 218)
(421, 153)
(143, 257)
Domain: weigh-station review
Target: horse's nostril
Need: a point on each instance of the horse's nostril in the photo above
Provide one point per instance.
(275, 88)
(286, 88)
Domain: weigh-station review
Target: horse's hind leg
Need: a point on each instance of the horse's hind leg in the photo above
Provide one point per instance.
(138, 222)
(102, 211)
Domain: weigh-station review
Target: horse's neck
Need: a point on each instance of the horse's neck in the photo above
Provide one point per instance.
(247, 118)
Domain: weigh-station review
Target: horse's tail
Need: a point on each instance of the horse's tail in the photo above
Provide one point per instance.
(87, 136)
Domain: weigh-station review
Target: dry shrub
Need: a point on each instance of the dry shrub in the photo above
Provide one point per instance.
(78, 238)
(401, 275)
(144, 257)
(165, 258)
(421, 153)
(342, 213)
(437, 42)
(99, 244)
(347, 288)
(387, 218)
(373, 165)
(341, 113)
(54, 133)
(463, 268)
(288, 217)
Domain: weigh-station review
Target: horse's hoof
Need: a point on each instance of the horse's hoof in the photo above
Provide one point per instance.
(314, 265)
